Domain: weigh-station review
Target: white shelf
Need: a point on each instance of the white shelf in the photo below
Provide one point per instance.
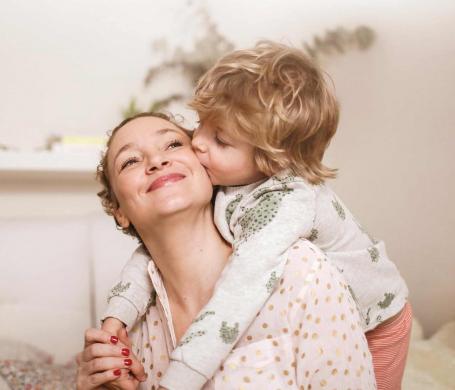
(49, 162)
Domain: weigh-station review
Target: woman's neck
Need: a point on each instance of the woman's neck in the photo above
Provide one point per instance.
(190, 254)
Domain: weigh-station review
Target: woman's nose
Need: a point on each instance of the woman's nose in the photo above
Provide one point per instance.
(157, 162)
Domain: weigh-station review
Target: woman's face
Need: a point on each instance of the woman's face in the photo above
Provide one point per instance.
(154, 172)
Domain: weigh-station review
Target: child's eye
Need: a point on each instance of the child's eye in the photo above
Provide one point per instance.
(220, 142)
(128, 162)
(174, 144)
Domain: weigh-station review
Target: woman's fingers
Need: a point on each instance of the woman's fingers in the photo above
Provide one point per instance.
(89, 382)
(108, 363)
(104, 350)
(93, 335)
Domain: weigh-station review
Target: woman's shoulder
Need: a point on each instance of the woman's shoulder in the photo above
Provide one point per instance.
(308, 272)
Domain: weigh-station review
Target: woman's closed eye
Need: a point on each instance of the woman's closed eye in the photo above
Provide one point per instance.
(128, 162)
(175, 143)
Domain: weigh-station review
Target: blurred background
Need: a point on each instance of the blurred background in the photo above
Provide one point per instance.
(71, 70)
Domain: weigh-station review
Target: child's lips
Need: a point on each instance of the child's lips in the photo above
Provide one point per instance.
(165, 180)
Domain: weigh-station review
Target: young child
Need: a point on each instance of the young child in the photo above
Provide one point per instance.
(266, 119)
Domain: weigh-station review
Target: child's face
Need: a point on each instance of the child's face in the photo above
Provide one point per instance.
(229, 161)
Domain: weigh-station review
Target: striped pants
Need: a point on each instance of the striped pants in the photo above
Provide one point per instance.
(388, 344)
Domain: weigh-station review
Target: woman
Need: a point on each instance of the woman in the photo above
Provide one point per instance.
(306, 336)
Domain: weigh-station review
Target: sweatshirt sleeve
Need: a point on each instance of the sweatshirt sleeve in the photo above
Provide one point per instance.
(262, 223)
(129, 298)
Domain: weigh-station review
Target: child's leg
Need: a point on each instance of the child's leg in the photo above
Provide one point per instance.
(389, 344)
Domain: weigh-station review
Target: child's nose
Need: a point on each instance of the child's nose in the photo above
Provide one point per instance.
(198, 144)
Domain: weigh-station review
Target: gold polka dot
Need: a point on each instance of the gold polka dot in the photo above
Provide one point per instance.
(323, 383)
(302, 356)
(243, 359)
(246, 379)
(296, 350)
(307, 374)
(303, 306)
(346, 372)
(155, 323)
(249, 337)
(329, 362)
(316, 301)
(259, 371)
(221, 368)
(308, 317)
(277, 359)
(356, 346)
(285, 330)
(344, 336)
(285, 372)
(265, 325)
(275, 343)
(349, 358)
(290, 304)
(269, 336)
(296, 332)
(317, 320)
(294, 364)
(305, 335)
(328, 299)
(282, 291)
(334, 371)
(270, 307)
(159, 374)
(329, 286)
(290, 382)
(314, 336)
(343, 317)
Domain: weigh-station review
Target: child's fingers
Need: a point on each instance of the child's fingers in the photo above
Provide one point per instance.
(108, 363)
(123, 337)
(137, 369)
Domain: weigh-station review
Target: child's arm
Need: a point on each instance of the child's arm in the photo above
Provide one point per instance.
(129, 298)
(265, 222)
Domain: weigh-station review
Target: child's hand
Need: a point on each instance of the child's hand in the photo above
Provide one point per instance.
(113, 326)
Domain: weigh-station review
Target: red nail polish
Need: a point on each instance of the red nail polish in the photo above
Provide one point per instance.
(128, 362)
(125, 352)
(117, 372)
(114, 339)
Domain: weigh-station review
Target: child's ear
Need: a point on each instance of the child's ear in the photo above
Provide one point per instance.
(121, 218)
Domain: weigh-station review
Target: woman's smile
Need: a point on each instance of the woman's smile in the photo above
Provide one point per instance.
(165, 180)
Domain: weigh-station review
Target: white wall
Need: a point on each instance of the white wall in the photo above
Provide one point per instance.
(69, 67)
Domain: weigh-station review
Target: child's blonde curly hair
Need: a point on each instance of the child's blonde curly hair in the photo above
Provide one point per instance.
(277, 99)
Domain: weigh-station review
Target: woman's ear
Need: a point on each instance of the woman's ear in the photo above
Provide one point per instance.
(121, 218)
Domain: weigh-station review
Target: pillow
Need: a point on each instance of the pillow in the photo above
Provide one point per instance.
(17, 350)
(37, 376)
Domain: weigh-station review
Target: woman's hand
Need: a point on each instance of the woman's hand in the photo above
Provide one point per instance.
(108, 363)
